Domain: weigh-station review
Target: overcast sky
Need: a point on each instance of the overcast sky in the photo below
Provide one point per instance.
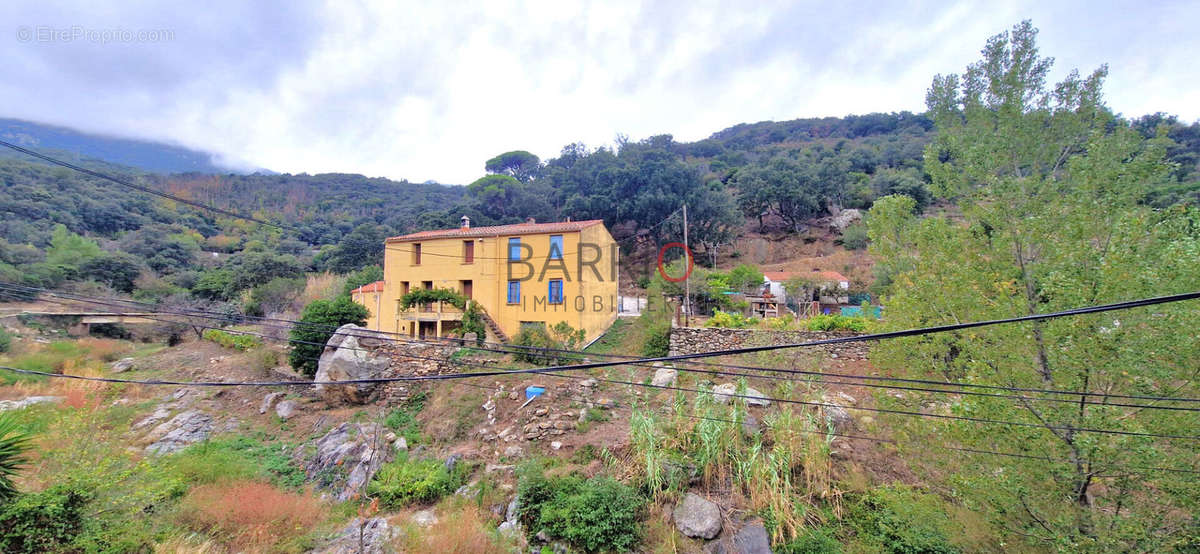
(431, 90)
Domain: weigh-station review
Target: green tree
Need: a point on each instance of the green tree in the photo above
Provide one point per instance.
(317, 324)
(214, 284)
(70, 250)
(518, 164)
(1048, 181)
(115, 269)
(364, 276)
(361, 247)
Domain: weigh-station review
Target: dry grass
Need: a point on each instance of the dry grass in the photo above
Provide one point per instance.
(465, 529)
(321, 286)
(104, 350)
(250, 516)
(184, 545)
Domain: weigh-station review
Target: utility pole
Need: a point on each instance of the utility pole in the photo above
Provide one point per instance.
(687, 281)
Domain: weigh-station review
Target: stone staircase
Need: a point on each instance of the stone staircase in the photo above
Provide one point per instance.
(492, 327)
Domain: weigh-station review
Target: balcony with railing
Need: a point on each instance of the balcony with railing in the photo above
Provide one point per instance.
(431, 311)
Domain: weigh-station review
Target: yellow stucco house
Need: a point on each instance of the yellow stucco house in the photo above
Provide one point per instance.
(521, 274)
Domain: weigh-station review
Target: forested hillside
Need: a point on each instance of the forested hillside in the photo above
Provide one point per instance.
(775, 176)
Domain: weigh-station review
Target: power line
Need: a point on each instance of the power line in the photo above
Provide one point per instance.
(1105, 403)
(515, 371)
(764, 369)
(146, 190)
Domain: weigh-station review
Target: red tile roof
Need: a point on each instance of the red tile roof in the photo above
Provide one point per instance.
(830, 276)
(499, 230)
(377, 286)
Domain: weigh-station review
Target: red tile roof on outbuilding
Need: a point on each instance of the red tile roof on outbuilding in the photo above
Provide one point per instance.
(377, 286)
(499, 230)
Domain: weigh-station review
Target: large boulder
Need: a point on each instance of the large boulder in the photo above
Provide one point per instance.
(697, 517)
(724, 393)
(664, 377)
(752, 539)
(180, 432)
(833, 406)
(122, 365)
(348, 356)
(345, 459)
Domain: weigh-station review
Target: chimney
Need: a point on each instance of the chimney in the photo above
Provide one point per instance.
(530, 220)
(466, 222)
(568, 219)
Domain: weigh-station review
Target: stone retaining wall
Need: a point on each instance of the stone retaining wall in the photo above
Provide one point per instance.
(693, 340)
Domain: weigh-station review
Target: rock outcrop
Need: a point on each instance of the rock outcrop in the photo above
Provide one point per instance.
(344, 459)
(122, 365)
(724, 393)
(844, 219)
(349, 356)
(180, 432)
(362, 537)
(6, 405)
(697, 517)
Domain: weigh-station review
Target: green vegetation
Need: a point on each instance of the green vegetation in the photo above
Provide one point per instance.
(1051, 187)
(403, 420)
(236, 341)
(317, 324)
(837, 323)
(598, 514)
(404, 481)
(47, 521)
(729, 320)
(559, 337)
(14, 443)
(238, 457)
(429, 296)
(5, 340)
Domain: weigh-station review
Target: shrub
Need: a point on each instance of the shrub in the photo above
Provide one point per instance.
(44, 521)
(318, 322)
(529, 339)
(264, 359)
(404, 481)
(250, 515)
(5, 340)
(902, 520)
(657, 341)
(855, 236)
(837, 322)
(14, 443)
(729, 320)
(231, 340)
(593, 514)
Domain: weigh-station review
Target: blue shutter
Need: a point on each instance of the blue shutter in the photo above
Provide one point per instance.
(556, 247)
(514, 249)
(514, 292)
(556, 291)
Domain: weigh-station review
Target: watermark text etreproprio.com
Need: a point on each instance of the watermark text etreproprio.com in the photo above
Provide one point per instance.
(78, 33)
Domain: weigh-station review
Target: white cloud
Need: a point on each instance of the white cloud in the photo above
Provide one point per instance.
(425, 91)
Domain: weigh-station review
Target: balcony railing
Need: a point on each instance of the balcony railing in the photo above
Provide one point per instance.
(432, 311)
